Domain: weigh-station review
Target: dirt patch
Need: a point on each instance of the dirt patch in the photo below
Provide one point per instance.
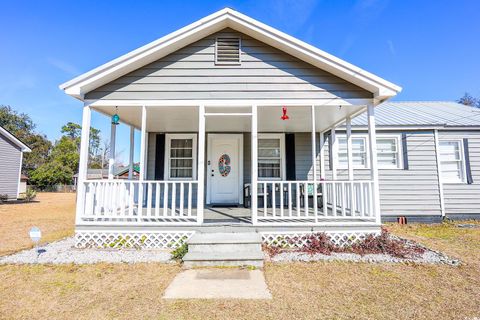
(53, 213)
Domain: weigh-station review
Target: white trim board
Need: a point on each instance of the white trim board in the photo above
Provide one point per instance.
(228, 18)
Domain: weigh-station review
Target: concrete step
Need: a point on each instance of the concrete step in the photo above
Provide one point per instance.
(224, 249)
(213, 259)
(225, 238)
(225, 242)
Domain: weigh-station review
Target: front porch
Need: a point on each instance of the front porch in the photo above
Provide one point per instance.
(180, 192)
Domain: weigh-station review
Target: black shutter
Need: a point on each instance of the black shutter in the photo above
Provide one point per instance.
(160, 157)
(290, 156)
(405, 151)
(467, 161)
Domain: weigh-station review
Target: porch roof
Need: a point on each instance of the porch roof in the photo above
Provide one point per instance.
(228, 18)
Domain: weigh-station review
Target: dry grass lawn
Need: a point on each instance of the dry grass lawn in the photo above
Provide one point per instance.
(54, 214)
(300, 290)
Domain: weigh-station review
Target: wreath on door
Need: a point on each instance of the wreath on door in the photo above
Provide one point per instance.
(224, 165)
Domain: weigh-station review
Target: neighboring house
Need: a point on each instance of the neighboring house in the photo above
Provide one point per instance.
(11, 156)
(428, 159)
(230, 113)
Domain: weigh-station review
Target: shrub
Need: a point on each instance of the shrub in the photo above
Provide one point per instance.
(180, 252)
(384, 243)
(317, 243)
(3, 197)
(30, 194)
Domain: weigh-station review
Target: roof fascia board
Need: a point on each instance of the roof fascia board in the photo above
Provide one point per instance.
(226, 103)
(15, 140)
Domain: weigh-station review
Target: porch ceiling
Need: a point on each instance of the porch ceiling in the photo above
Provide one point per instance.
(185, 119)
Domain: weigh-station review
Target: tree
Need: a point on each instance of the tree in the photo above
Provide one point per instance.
(72, 130)
(65, 152)
(468, 100)
(23, 127)
(51, 173)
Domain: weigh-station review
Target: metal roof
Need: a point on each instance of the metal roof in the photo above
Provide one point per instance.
(422, 113)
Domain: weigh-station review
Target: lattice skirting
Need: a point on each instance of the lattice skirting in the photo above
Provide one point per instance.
(134, 240)
(294, 239)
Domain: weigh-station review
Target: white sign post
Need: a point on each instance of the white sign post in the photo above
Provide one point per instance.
(36, 235)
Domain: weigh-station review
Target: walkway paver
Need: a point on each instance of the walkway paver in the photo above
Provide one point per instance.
(217, 283)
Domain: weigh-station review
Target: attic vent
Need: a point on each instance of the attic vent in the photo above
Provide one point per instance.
(227, 51)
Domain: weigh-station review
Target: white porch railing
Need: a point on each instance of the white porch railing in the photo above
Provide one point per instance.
(140, 202)
(311, 202)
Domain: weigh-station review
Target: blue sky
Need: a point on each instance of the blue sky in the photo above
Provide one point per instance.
(430, 48)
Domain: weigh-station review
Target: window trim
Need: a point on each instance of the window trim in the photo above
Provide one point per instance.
(397, 137)
(283, 168)
(228, 63)
(168, 144)
(367, 151)
(462, 160)
(398, 140)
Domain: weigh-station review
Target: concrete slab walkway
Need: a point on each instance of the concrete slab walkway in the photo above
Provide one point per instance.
(217, 283)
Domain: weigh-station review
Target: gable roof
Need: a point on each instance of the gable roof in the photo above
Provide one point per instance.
(423, 114)
(228, 18)
(4, 132)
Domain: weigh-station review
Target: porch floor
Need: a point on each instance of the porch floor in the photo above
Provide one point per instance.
(241, 215)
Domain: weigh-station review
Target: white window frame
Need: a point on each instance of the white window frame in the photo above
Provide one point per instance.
(283, 170)
(398, 139)
(168, 139)
(463, 167)
(367, 151)
(367, 166)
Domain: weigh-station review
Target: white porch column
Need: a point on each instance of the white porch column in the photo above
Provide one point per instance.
(143, 144)
(132, 150)
(334, 152)
(314, 163)
(254, 161)
(201, 163)
(322, 155)
(349, 149)
(372, 138)
(83, 163)
(111, 158)
(143, 158)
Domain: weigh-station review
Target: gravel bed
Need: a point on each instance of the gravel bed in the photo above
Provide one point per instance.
(63, 252)
(428, 257)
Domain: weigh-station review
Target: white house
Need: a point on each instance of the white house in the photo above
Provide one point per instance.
(233, 116)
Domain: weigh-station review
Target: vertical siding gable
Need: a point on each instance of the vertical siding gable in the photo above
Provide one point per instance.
(264, 73)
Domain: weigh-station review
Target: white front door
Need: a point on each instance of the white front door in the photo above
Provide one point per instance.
(224, 168)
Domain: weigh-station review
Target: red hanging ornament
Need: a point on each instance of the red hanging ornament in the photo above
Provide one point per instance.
(284, 116)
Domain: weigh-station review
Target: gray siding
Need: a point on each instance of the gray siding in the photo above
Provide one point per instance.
(463, 198)
(406, 192)
(9, 167)
(264, 73)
